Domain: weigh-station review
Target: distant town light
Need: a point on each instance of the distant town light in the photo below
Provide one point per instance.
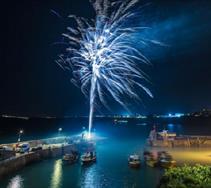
(176, 115)
(179, 115)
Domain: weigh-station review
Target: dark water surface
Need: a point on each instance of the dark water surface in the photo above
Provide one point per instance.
(111, 169)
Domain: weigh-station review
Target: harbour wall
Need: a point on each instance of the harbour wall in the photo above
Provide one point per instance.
(34, 143)
(186, 141)
(18, 162)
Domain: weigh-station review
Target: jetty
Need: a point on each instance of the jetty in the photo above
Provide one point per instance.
(168, 139)
(12, 161)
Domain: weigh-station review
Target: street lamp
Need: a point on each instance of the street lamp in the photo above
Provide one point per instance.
(19, 135)
(59, 131)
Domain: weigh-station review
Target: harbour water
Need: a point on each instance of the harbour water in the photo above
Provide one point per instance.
(119, 140)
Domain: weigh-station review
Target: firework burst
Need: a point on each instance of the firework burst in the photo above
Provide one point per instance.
(102, 56)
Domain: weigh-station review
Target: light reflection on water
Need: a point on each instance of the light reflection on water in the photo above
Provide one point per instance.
(88, 177)
(192, 155)
(16, 182)
(56, 178)
(92, 176)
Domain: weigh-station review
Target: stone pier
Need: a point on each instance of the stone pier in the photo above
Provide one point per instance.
(182, 141)
(18, 162)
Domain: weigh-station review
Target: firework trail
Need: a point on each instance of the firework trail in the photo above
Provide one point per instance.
(102, 56)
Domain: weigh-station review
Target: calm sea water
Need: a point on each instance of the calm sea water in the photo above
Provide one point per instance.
(111, 169)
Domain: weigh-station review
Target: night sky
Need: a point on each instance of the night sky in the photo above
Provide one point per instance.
(33, 84)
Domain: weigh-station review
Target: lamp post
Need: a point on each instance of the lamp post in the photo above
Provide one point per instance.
(59, 131)
(19, 135)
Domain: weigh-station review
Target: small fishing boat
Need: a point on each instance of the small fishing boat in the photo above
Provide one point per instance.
(152, 162)
(134, 161)
(167, 163)
(166, 160)
(88, 158)
(147, 154)
(150, 158)
(70, 158)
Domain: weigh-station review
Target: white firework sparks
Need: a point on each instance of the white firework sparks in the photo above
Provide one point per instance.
(102, 55)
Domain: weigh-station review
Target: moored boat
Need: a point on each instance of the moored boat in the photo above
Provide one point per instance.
(165, 163)
(88, 158)
(70, 158)
(134, 161)
(152, 162)
(166, 160)
(151, 158)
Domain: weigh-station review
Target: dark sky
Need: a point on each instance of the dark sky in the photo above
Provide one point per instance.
(32, 84)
